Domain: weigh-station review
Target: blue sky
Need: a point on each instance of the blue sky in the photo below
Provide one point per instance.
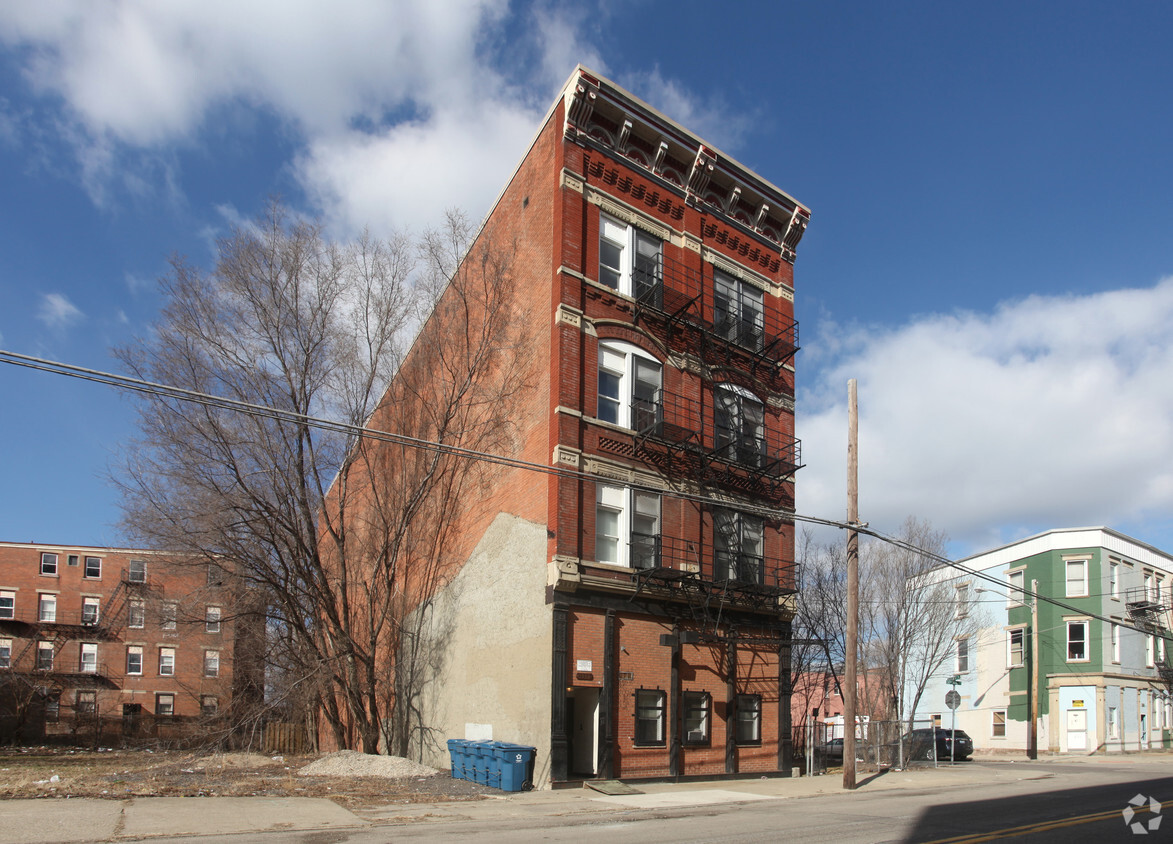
(989, 254)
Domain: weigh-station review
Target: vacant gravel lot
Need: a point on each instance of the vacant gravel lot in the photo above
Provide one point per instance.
(347, 778)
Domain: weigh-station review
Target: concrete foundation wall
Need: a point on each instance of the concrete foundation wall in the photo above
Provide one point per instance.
(490, 632)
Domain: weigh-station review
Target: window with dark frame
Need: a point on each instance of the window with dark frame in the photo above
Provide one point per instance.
(649, 717)
(5, 653)
(962, 656)
(209, 705)
(748, 729)
(215, 575)
(85, 702)
(1076, 641)
(48, 563)
(93, 569)
(137, 572)
(168, 615)
(72, 560)
(697, 706)
(52, 707)
(1017, 649)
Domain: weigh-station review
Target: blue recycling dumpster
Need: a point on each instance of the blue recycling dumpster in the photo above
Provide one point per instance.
(457, 752)
(516, 764)
(484, 767)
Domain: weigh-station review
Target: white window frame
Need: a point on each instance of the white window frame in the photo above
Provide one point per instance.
(1113, 723)
(1114, 635)
(962, 656)
(49, 564)
(1114, 579)
(1010, 649)
(136, 571)
(87, 618)
(749, 719)
(7, 604)
(44, 647)
(628, 512)
(624, 380)
(697, 717)
(624, 251)
(651, 708)
(998, 719)
(86, 568)
(136, 613)
(88, 666)
(47, 608)
(135, 651)
(168, 615)
(1149, 592)
(166, 662)
(1076, 588)
(212, 619)
(1016, 581)
(961, 600)
(1086, 624)
(1150, 643)
(211, 663)
(164, 705)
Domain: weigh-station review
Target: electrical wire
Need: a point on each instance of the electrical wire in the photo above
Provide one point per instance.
(125, 382)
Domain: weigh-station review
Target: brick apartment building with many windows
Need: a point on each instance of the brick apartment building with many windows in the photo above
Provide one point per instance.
(628, 613)
(114, 644)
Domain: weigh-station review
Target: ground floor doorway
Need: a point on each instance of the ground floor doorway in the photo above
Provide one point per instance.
(582, 707)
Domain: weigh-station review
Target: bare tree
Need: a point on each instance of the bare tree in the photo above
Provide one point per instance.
(332, 527)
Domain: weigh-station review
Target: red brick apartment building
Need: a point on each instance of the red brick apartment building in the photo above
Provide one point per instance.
(629, 612)
(113, 644)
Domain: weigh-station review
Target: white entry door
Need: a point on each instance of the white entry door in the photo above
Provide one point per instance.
(1077, 729)
(585, 744)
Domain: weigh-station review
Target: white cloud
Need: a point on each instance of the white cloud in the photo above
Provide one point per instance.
(1049, 412)
(57, 312)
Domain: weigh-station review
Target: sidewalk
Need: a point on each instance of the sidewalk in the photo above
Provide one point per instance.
(82, 820)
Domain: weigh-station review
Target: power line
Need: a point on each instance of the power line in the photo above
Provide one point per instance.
(126, 382)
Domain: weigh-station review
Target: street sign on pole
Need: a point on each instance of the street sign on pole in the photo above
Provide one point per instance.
(955, 680)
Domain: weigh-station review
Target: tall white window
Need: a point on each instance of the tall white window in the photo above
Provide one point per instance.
(134, 659)
(1017, 650)
(999, 726)
(738, 547)
(738, 311)
(1113, 723)
(629, 386)
(44, 656)
(1114, 578)
(166, 662)
(7, 604)
(1077, 641)
(627, 527)
(168, 613)
(961, 600)
(136, 614)
(740, 422)
(93, 567)
(89, 658)
(212, 620)
(137, 573)
(1076, 578)
(47, 608)
(629, 259)
(1017, 580)
(89, 611)
(48, 563)
(211, 663)
(1115, 635)
(962, 656)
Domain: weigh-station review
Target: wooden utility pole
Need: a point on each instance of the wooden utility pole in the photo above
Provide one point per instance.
(1032, 740)
(852, 633)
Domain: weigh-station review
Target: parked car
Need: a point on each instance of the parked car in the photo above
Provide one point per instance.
(832, 751)
(920, 745)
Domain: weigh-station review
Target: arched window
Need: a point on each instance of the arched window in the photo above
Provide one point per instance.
(740, 421)
(629, 386)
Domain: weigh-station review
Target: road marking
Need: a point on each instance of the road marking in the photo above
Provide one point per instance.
(1027, 829)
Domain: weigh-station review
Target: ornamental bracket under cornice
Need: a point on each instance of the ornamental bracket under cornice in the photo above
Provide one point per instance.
(581, 105)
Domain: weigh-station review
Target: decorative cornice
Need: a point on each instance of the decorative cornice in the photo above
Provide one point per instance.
(747, 275)
(627, 214)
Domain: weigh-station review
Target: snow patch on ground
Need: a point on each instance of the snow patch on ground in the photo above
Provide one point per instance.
(351, 763)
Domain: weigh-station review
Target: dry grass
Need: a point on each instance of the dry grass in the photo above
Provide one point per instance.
(115, 774)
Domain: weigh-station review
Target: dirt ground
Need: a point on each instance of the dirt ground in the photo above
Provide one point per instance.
(60, 773)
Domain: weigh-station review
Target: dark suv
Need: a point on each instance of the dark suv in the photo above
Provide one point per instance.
(919, 744)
